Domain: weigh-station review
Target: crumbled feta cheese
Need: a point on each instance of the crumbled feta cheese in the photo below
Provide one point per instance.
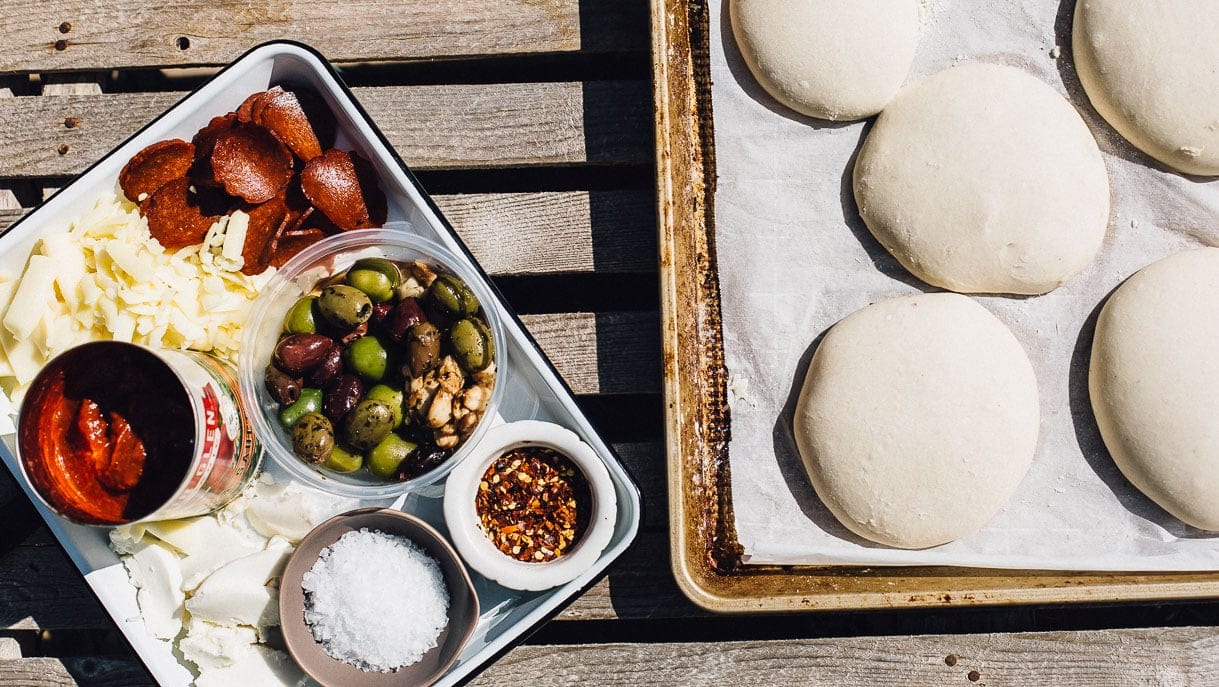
(227, 579)
(154, 570)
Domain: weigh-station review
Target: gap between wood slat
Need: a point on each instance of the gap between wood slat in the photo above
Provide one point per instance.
(431, 127)
(47, 35)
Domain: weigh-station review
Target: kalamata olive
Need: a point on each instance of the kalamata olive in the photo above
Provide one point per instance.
(367, 357)
(406, 314)
(296, 354)
(341, 396)
(374, 284)
(472, 344)
(426, 458)
(422, 348)
(312, 438)
(343, 306)
(380, 313)
(284, 388)
(342, 460)
(392, 396)
(310, 401)
(368, 423)
(385, 457)
(451, 297)
(328, 370)
(300, 318)
(387, 267)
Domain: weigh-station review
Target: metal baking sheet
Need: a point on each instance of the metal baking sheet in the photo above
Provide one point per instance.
(705, 555)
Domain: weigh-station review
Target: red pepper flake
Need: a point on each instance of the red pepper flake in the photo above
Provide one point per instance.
(534, 504)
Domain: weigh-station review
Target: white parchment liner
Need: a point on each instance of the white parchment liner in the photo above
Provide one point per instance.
(794, 258)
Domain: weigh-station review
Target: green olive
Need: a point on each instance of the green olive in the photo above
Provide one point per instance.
(300, 318)
(385, 457)
(310, 401)
(342, 460)
(344, 306)
(378, 287)
(368, 423)
(312, 438)
(387, 267)
(392, 396)
(451, 297)
(472, 344)
(367, 357)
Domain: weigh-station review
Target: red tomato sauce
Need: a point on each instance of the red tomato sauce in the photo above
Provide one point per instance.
(107, 436)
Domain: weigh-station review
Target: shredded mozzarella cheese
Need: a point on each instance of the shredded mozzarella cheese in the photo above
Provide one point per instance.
(107, 278)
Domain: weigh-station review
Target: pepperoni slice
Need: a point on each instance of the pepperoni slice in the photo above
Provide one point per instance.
(178, 217)
(245, 111)
(154, 166)
(343, 186)
(266, 221)
(251, 163)
(281, 112)
(205, 141)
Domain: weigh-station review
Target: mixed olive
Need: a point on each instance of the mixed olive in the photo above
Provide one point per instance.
(387, 367)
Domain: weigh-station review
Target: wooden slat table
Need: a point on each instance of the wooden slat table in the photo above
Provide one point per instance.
(531, 122)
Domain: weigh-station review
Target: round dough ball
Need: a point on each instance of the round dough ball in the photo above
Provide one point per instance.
(918, 419)
(831, 59)
(1154, 383)
(982, 179)
(1148, 67)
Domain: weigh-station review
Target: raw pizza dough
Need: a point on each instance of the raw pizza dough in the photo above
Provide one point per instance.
(918, 419)
(831, 59)
(1149, 68)
(982, 179)
(1154, 383)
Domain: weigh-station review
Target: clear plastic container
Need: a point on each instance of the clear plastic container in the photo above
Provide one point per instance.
(300, 276)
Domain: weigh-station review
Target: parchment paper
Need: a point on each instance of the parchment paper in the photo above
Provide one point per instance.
(794, 258)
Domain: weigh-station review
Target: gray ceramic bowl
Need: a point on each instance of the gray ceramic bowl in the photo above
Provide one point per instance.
(313, 659)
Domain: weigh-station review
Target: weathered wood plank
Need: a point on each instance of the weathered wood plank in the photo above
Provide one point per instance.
(573, 231)
(48, 35)
(66, 672)
(1108, 658)
(601, 352)
(1166, 657)
(535, 233)
(432, 127)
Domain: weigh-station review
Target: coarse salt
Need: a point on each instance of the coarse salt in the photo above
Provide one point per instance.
(375, 600)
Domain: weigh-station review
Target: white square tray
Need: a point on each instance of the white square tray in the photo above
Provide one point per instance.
(534, 390)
